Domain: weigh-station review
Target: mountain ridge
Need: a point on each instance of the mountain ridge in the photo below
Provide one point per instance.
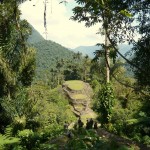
(35, 36)
(89, 50)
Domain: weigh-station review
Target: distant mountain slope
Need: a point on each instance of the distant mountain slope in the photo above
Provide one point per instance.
(48, 53)
(89, 50)
(86, 50)
(35, 36)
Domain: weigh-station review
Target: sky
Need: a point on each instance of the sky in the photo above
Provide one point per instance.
(60, 28)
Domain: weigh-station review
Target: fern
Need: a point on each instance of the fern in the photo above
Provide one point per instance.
(4, 141)
(7, 139)
(8, 131)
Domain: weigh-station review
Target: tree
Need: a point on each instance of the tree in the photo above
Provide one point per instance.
(117, 18)
(105, 103)
(141, 58)
(16, 58)
(86, 68)
(141, 49)
(86, 13)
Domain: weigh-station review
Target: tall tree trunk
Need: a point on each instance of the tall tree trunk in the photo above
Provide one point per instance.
(107, 51)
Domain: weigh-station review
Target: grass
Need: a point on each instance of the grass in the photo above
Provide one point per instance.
(88, 116)
(79, 96)
(80, 107)
(76, 85)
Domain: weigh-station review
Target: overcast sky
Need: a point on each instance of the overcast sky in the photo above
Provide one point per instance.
(60, 29)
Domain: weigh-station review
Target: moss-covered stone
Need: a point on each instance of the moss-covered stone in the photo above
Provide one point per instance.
(80, 95)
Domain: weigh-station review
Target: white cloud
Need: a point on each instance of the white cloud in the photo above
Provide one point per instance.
(60, 29)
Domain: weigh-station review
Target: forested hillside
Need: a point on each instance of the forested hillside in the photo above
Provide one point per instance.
(48, 53)
(35, 36)
(54, 99)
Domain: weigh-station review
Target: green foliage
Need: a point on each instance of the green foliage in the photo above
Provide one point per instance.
(29, 139)
(35, 36)
(141, 59)
(52, 131)
(56, 63)
(139, 120)
(105, 103)
(16, 58)
(126, 13)
(48, 54)
(37, 113)
(48, 147)
(75, 69)
(112, 14)
(7, 140)
(146, 140)
(95, 85)
(25, 133)
(28, 71)
(121, 114)
(97, 70)
(39, 140)
(141, 52)
(16, 109)
(84, 140)
(59, 101)
(37, 106)
(88, 140)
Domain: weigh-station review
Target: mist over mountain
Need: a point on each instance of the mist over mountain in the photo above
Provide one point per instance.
(89, 50)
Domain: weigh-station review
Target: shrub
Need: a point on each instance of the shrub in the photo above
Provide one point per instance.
(146, 140)
(105, 103)
(29, 139)
(7, 141)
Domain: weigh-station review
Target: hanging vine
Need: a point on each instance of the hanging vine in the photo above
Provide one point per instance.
(105, 103)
